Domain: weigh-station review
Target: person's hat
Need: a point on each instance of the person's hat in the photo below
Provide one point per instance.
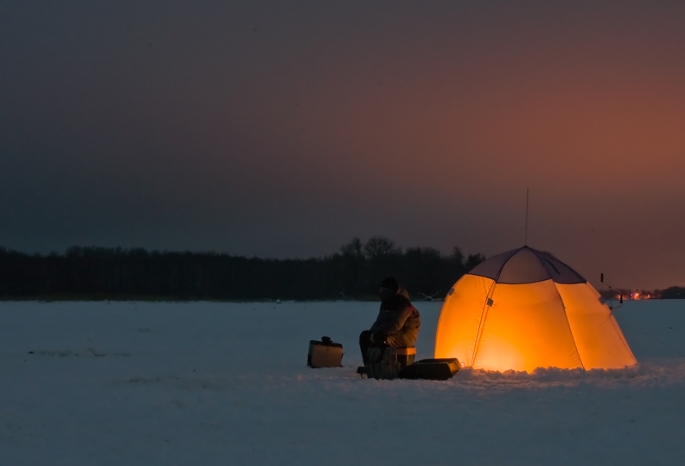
(391, 284)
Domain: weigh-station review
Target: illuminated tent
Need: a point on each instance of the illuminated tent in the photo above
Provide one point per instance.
(525, 309)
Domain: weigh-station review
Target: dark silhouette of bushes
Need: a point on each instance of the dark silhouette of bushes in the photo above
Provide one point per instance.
(115, 273)
(673, 292)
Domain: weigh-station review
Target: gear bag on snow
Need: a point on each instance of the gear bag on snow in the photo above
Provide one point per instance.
(431, 369)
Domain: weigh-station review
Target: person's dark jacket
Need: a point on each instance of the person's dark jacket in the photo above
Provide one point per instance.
(398, 321)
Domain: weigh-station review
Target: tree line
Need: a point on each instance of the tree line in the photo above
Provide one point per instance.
(354, 272)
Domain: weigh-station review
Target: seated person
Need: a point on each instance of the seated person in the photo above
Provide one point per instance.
(397, 324)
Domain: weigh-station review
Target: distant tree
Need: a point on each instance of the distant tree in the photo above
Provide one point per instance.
(673, 292)
(423, 270)
(349, 268)
(457, 257)
(380, 246)
(473, 260)
(354, 248)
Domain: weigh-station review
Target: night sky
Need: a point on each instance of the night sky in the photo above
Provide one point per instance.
(284, 129)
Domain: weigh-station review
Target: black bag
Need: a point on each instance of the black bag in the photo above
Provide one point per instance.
(431, 369)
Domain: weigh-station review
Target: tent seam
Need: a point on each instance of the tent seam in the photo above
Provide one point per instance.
(617, 328)
(484, 310)
(481, 323)
(535, 253)
(570, 330)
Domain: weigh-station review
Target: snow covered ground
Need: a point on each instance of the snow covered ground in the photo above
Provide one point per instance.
(215, 384)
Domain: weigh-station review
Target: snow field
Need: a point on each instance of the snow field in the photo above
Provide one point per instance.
(226, 383)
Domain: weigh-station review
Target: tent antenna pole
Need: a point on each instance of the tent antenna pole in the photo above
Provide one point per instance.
(525, 238)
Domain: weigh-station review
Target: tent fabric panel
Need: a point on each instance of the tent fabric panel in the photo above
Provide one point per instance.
(460, 317)
(492, 267)
(599, 339)
(523, 267)
(558, 271)
(526, 265)
(526, 328)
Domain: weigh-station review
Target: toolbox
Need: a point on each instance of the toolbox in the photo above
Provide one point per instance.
(324, 353)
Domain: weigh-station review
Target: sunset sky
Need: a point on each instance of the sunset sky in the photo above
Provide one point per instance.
(284, 129)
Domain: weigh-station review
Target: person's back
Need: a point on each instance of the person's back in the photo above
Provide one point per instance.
(397, 324)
